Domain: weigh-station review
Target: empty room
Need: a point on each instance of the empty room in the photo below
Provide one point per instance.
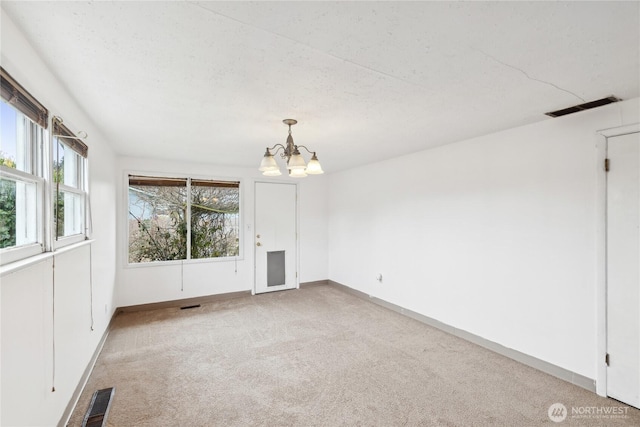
(319, 213)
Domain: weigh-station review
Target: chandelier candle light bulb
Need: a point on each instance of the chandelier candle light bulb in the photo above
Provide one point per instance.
(298, 173)
(268, 162)
(313, 167)
(275, 172)
(295, 163)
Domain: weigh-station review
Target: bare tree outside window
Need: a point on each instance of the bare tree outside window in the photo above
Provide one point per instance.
(159, 219)
(214, 220)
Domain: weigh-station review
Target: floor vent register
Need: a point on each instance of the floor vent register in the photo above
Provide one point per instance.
(96, 415)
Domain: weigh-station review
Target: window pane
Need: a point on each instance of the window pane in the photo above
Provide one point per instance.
(69, 206)
(214, 221)
(15, 150)
(7, 213)
(69, 214)
(58, 162)
(18, 214)
(67, 166)
(157, 220)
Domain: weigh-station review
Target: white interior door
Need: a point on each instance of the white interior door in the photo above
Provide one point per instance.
(623, 269)
(275, 238)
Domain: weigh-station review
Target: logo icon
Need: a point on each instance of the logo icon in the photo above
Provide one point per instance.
(557, 412)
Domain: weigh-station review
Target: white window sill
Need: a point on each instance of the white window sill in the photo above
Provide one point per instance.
(182, 261)
(24, 263)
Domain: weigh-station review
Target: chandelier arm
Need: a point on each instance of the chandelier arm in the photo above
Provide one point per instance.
(308, 151)
(278, 146)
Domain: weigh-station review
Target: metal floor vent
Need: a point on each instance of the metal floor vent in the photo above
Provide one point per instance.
(96, 415)
(585, 106)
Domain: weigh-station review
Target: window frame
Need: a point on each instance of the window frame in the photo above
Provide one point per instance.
(37, 138)
(57, 188)
(188, 260)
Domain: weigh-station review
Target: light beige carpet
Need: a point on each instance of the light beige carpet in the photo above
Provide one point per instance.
(317, 357)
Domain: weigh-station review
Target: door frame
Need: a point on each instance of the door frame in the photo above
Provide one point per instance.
(601, 249)
(253, 231)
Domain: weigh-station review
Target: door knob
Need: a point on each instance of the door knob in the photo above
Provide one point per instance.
(258, 244)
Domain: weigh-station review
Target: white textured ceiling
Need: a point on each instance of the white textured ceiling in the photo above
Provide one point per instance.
(211, 81)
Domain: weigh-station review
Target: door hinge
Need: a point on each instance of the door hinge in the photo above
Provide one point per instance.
(606, 165)
(606, 359)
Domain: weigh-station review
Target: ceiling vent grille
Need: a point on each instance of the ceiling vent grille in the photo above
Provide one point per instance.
(585, 106)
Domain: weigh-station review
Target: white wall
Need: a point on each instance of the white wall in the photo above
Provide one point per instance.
(494, 235)
(82, 287)
(156, 282)
(314, 222)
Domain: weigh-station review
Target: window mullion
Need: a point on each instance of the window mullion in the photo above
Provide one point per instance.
(188, 219)
(55, 210)
(44, 160)
(88, 220)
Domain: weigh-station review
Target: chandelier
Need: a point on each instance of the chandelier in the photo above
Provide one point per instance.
(295, 162)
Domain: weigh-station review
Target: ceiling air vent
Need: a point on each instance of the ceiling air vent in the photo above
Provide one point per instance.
(585, 106)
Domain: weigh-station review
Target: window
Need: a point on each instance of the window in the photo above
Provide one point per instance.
(19, 185)
(69, 201)
(22, 150)
(214, 219)
(182, 218)
(157, 219)
(26, 172)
